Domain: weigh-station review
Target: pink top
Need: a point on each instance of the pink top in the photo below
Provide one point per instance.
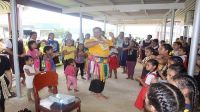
(70, 71)
(35, 55)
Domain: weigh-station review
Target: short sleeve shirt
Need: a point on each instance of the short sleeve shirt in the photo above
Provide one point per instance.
(149, 78)
(69, 49)
(70, 70)
(8, 44)
(101, 50)
(29, 79)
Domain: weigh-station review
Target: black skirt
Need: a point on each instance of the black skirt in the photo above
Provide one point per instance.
(96, 86)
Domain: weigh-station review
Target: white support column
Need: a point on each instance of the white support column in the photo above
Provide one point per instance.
(20, 28)
(15, 45)
(172, 26)
(185, 31)
(117, 29)
(195, 36)
(161, 32)
(105, 24)
(81, 32)
(165, 28)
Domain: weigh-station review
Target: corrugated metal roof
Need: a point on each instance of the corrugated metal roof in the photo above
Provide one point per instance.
(4, 7)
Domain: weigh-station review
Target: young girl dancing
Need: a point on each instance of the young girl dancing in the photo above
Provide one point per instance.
(131, 59)
(151, 66)
(34, 53)
(149, 53)
(48, 58)
(30, 73)
(70, 73)
(113, 61)
(80, 59)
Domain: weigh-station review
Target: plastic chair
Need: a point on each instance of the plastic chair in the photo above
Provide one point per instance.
(46, 79)
(50, 79)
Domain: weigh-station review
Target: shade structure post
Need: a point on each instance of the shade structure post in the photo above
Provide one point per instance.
(9, 23)
(15, 45)
(195, 36)
(117, 29)
(105, 24)
(172, 26)
(165, 28)
(185, 31)
(81, 30)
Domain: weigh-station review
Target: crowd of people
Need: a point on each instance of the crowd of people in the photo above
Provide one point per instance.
(165, 85)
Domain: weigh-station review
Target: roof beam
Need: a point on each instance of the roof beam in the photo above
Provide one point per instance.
(145, 11)
(124, 8)
(157, 16)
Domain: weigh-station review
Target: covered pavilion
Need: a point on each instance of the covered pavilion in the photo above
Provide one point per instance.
(117, 12)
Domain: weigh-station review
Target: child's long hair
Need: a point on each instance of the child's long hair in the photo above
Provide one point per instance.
(176, 60)
(179, 69)
(186, 81)
(78, 50)
(178, 43)
(47, 48)
(30, 43)
(151, 50)
(70, 61)
(154, 63)
(186, 51)
(165, 97)
(169, 48)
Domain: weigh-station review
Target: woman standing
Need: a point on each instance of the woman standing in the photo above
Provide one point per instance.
(98, 65)
(21, 54)
(131, 59)
(124, 54)
(55, 45)
(5, 81)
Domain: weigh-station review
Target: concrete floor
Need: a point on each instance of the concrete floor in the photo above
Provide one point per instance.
(121, 92)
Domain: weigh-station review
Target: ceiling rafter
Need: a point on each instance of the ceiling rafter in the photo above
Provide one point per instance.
(145, 11)
(85, 4)
(125, 8)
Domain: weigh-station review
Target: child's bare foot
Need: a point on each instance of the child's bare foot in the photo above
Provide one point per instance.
(69, 89)
(101, 96)
(127, 78)
(76, 90)
(93, 93)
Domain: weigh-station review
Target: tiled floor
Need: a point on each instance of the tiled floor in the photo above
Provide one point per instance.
(121, 93)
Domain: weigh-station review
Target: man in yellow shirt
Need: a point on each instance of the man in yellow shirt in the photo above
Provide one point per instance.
(98, 48)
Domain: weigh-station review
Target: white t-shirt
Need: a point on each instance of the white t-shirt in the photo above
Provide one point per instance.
(8, 44)
(29, 79)
(149, 78)
(183, 57)
(119, 42)
(113, 50)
